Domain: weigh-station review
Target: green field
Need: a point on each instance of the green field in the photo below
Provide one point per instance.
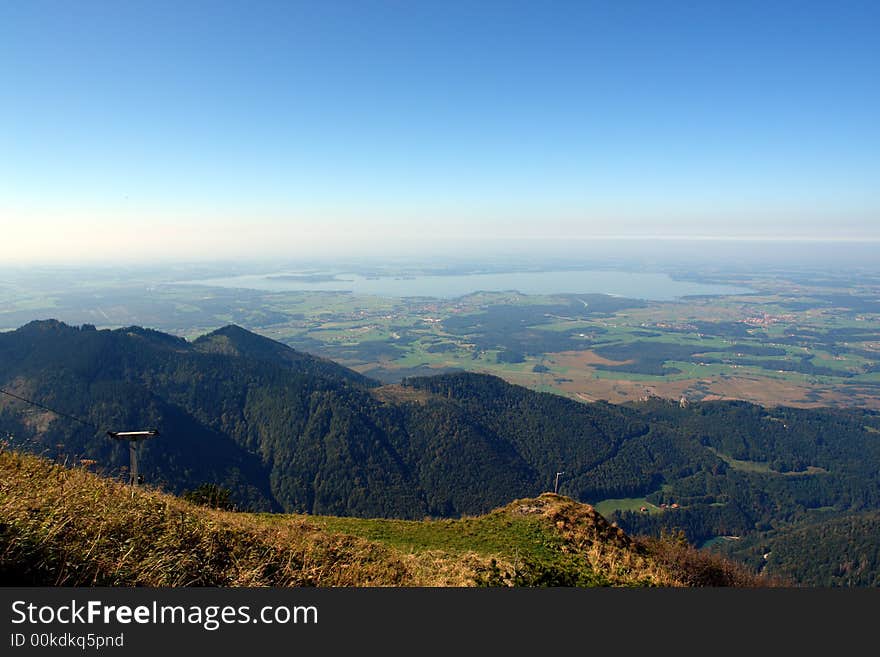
(609, 506)
(789, 343)
(493, 534)
(761, 467)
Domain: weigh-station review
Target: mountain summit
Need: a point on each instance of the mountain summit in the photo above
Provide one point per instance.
(61, 526)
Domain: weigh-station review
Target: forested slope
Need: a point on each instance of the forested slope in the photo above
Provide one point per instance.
(287, 431)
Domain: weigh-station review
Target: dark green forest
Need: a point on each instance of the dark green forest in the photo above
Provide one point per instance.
(831, 550)
(286, 431)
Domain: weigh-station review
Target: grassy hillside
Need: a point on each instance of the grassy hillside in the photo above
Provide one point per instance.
(68, 526)
(284, 431)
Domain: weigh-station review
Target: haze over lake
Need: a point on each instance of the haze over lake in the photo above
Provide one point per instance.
(649, 286)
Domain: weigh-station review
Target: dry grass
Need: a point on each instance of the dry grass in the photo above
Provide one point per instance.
(69, 527)
(697, 568)
(61, 526)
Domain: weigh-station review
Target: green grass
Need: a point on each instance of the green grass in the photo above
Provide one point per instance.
(491, 535)
(566, 325)
(609, 506)
(743, 466)
(762, 467)
(351, 336)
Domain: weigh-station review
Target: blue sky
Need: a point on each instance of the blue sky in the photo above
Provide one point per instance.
(267, 127)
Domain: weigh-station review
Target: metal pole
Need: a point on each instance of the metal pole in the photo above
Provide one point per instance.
(133, 437)
(132, 457)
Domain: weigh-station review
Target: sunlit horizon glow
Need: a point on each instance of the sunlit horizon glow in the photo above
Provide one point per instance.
(168, 131)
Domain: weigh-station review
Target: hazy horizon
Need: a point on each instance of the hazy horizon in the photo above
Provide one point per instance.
(169, 132)
(545, 254)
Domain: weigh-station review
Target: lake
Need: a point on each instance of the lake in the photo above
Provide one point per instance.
(649, 286)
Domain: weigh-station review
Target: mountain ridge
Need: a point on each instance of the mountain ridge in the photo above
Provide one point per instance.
(296, 434)
(69, 527)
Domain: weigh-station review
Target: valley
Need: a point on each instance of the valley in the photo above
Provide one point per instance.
(288, 432)
(796, 338)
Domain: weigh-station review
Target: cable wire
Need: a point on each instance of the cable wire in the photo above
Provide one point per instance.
(51, 410)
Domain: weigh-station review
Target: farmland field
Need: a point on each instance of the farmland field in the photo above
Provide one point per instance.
(794, 338)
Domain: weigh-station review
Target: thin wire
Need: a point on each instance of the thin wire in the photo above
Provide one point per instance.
(52, 410)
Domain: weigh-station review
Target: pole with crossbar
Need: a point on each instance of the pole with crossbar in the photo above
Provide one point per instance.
(133, 437)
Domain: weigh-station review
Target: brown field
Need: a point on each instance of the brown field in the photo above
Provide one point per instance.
(582, 359)
(573, 373)
(766, 392)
